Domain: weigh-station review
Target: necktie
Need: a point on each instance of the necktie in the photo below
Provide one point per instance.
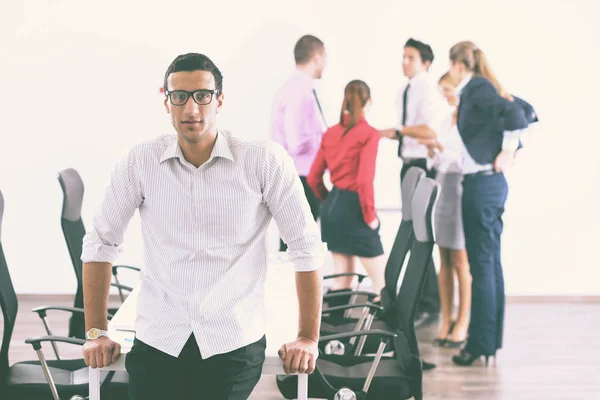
(404, 101)
(319, 105)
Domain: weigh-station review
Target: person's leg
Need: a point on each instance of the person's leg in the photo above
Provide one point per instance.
(446, 285)
(478, 218)
(230, 376)
(375, 267)
(460, 264)
(342, 263)
(154, 375)
(498, 227)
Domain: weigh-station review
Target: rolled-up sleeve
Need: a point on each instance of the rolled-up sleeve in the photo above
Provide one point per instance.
(284, 196)
(122, 197)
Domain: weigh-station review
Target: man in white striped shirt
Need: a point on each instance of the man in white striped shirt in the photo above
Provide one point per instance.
(205, 201)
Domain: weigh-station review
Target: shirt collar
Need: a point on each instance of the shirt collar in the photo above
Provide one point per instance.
(221, 149)
(463, 83)
(417, 77)
(304, 76)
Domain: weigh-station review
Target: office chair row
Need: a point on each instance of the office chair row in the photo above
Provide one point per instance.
(352, 364)
(344, 369)
(43, 379)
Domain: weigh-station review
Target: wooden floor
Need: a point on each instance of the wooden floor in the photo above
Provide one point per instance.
(552, 351)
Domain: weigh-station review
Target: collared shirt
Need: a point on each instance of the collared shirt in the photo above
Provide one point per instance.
(509, 142)
(204, 232)
(422, 108)
(451, 158)
(296, 122)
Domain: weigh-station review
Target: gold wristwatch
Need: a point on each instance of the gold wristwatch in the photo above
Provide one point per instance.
(95, 333)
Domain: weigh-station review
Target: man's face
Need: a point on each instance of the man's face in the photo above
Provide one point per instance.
(192, 120)
(412, 63)
(320, 59)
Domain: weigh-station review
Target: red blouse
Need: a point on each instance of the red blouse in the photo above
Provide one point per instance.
(351, 163)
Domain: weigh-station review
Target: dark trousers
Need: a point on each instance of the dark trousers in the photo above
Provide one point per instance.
(154, 375)
(430, 298)
(482, 206)
(313, 202)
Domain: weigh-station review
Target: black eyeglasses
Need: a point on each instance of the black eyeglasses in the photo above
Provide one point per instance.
(202, 97)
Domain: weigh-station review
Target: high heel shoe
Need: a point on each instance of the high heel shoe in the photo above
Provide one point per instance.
(439, 342)
(465, 359)
(451, 344)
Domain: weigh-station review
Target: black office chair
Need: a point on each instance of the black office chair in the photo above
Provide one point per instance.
(382, 377)
(339, 321)
(42, 380)
(74, 231)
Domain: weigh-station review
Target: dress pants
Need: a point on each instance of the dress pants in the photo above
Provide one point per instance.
(313, 202)
(154, 375)
(483, 205)
(430, 297)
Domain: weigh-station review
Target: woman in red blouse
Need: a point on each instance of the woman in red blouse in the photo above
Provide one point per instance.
(349, 223)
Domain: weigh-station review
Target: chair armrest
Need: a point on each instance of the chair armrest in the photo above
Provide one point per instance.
(41, 311)
(350, 293)
(361, 277)
(37, 341)
(118, 285)
(348, 335)
(115, 268)
(351, 306)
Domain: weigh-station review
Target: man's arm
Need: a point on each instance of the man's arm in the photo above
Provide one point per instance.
(415, 131)
(284, 195)
(100, 249)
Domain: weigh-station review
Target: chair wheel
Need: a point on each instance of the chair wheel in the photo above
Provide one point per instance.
(335, 347)
(345, 394)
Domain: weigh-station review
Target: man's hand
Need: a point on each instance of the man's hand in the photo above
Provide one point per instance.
(503, 160)
(101, 352)
(299, 356)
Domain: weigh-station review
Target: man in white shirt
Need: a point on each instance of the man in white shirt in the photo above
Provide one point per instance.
(205, 200)
(419, 106)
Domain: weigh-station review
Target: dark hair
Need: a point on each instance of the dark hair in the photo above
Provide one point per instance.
(475, 61)
(195, 62)
(356, 95)
(306, 47)
(425, 50)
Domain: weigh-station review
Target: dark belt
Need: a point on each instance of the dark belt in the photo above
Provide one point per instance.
(487, 172)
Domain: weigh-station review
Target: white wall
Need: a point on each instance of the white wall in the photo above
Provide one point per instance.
(63, 65)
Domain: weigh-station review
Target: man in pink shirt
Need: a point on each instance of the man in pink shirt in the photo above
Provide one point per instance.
(298, 123)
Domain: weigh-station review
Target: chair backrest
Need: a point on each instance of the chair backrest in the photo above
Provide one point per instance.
(8, 304)
(404, 237)
(422, 203)
(72, 224)
(74, 232)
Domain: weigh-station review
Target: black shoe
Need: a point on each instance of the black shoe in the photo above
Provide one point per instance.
(425, 318)
(451, 344)
(427, 365)
(465, 359)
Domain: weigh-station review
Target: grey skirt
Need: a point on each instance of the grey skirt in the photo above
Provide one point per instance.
(448, 223)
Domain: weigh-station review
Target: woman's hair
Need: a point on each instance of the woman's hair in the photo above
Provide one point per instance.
(356, 95)
(447, 78)
(474, 59)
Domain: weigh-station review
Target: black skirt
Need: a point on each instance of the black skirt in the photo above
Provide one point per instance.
(343, 227)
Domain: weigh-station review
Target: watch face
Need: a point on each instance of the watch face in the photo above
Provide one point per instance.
(93, 333)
